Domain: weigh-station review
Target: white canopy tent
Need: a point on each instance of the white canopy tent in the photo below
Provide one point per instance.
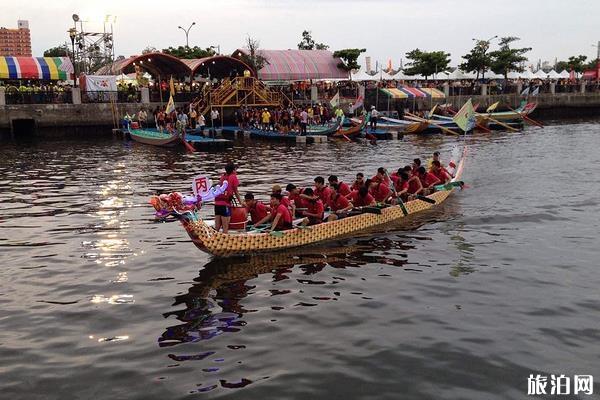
(540, 74)
(553, 75)
(384, 76)
(362, 76)
(564, 74)
(527, 74)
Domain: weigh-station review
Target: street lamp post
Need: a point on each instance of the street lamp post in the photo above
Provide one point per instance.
(486, 46)
(72, 34)
(187, 32)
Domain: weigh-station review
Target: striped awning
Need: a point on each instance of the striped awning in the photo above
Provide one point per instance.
(434, 93)
(395, 93)
(43, 68)
(413, 92)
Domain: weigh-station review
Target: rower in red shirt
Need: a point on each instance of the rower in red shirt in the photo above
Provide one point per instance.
(344, 189)
(284, 199)
(314, 208)
(223, 201)
(415, 166)
(379, 190)
(322, 191)
(358, 183)
(362, 198)
(428, 180)
(339, 204)
(256, 209)
(280, 216)
(295, 197)
(402, 184)
(381, 177)
(440, 172)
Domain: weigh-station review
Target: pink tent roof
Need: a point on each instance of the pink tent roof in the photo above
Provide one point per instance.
(295, 65)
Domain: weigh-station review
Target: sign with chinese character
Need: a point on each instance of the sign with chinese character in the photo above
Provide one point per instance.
(201, 185)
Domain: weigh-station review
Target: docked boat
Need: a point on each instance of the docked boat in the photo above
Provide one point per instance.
(354, 131)
(292, 136)
(232, 244)
(155, 137)
(398, 125)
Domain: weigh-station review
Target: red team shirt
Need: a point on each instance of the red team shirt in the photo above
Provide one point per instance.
(358, 201)
(258, 212)
(428, 180)
(232, 185)
(324, 194)
(338, 202)
(286, 216)
(315, 207)
(344, 189)
(380, 192)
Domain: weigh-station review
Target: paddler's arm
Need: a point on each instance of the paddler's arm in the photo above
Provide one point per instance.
(275, 221)
(265, 219)
(343, 210)
(416, 179)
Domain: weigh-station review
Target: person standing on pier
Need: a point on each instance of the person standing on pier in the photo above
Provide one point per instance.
(374, 116)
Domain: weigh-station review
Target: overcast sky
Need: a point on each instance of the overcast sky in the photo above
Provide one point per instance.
(386, 28)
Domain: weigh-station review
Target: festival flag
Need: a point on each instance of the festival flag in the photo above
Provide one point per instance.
(536, 91)
(170, 105)
(432, 111)
(572, 76)
(525, 91)
(335, 100)
(172, 86)
(465, 117)
(358, 103)
(492, 107)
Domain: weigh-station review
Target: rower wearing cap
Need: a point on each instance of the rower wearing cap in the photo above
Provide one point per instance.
(284, 199)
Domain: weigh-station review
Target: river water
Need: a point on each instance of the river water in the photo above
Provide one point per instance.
(98, 301)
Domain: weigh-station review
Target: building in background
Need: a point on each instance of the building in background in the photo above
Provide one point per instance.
(16, 42)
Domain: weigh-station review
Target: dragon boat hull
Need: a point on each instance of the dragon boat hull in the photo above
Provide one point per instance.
(225, 245)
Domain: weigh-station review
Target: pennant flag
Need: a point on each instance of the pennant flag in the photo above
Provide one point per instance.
(465, 117)
(170, 105)
(358, 103)
(525, 91)
(536, 91)
(432, 111)
(492, 107)
(335, 100)
(172, 86)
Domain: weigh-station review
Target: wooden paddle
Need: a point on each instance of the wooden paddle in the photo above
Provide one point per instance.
(525, 117)
(425, 199)
(444, 129)
(449, 186)
(398, 198)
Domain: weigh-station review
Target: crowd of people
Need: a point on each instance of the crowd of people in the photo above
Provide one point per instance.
(332, 199)
(285, 119)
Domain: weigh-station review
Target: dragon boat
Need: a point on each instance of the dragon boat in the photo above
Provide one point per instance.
(257, 241)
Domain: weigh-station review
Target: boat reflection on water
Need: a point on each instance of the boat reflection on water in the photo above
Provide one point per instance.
(222, 283)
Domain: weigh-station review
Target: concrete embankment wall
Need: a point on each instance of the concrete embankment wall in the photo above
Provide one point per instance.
(63, 119)
(48, 120)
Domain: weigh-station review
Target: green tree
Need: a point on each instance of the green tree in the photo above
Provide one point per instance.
(253, 56)
(477, 60)
(189, 52)
(426, 63)
(150, 49)
(592, 64)
(507, 59)
(577, 63)
(307, 43)
(58, 51)
(349, 58)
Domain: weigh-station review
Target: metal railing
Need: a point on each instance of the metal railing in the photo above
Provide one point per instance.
(39, 97)
(111, 96)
